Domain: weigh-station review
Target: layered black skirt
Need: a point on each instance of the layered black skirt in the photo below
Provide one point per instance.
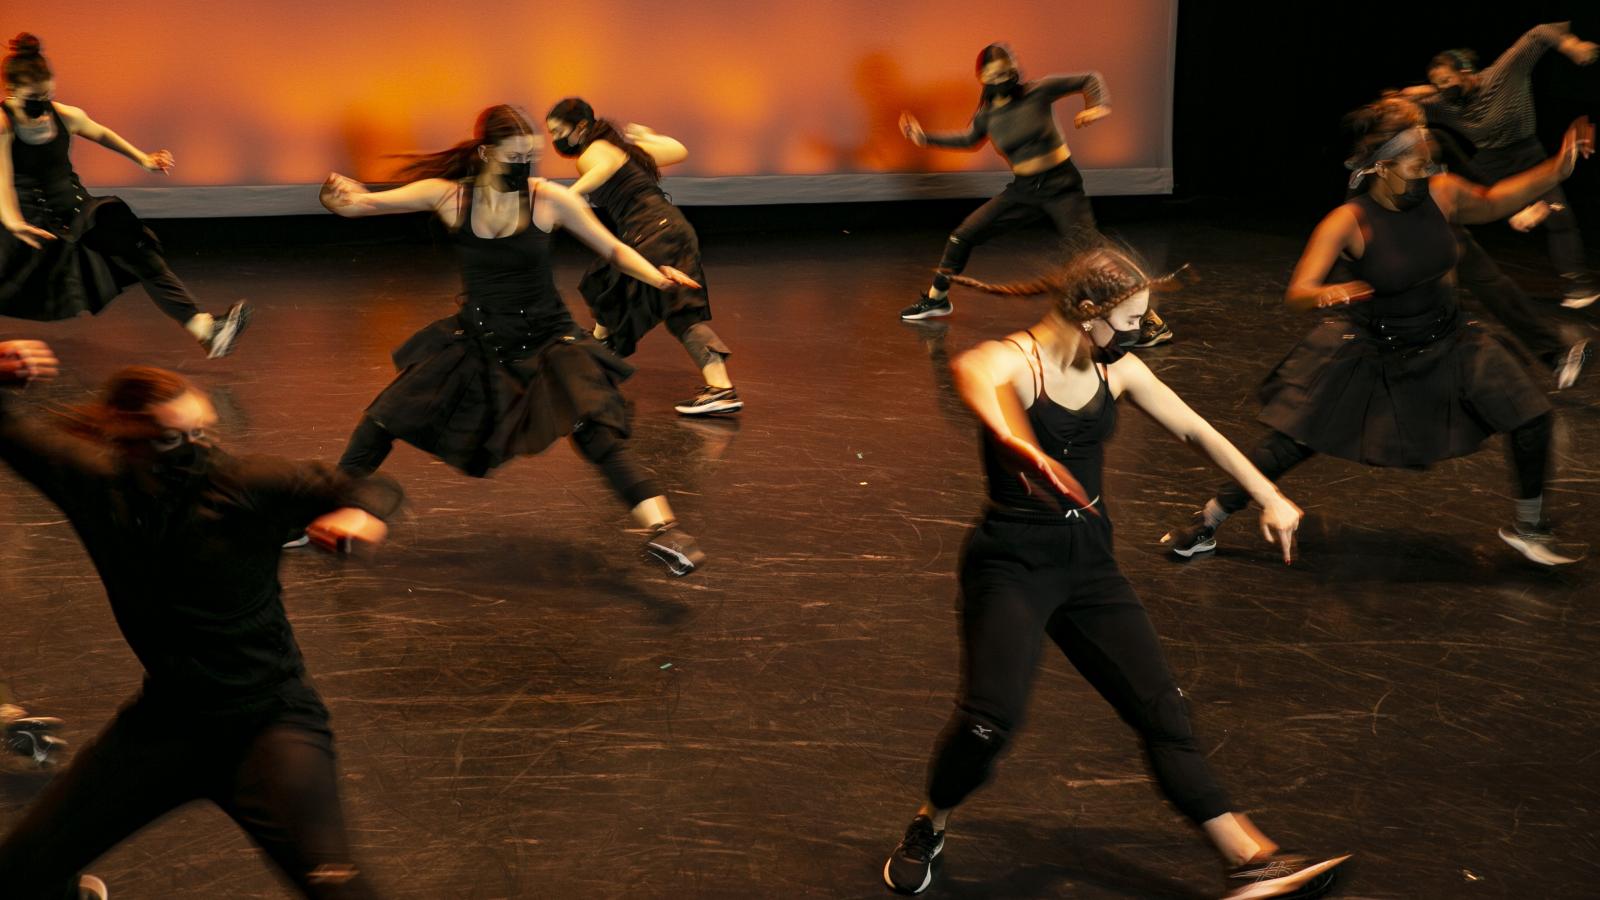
(75, 273)
(1399, 392)
(458, 399)
(629, 308)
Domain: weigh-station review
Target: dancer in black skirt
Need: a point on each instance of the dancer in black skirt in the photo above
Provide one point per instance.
(1398, 376)
(65, 252)
(622, 175)
(1040, 563)
(1019, 119)
(511, 372)
(186, 539)
(1494, 109)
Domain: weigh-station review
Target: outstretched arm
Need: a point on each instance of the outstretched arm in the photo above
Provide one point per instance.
(557, 206)
(1470, 204)
(983, 378)
(665, 150)
(965, 140)
(1092, 85)
(1134, 380)
(351, 199)
(337, 510)
(53, 461)
(79, 123)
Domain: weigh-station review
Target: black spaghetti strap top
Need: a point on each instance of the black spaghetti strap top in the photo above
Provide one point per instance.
(511, 297)
(629, 192)
(48, 191)
(1075, 437)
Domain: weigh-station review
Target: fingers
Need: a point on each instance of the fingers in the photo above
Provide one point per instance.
(1286, 541)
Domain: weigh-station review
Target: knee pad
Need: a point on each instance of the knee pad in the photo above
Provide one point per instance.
(703, 345)
(965, 758)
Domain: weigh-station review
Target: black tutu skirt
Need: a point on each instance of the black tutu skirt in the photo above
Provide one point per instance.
(629, 308)
(71, 275)
(1430, 390)
(458, 400)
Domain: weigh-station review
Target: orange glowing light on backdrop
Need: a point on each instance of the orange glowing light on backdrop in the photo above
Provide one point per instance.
(252, 93)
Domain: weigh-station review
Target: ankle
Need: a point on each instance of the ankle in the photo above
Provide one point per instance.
(199, 325)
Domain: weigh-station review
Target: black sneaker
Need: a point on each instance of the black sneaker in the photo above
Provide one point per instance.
(1570, 364)
(1539, 543)
(1580, 292)
(675, 548)
(1153, 330)
(1196, 537)
(31, 737)
(226, 330)
(909, 869)
(297, 541)
(927, 308)
(711, 400)
(1282, 875)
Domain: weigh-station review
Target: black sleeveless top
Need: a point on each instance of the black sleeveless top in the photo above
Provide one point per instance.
(629, 192)
(512, 303)
(49, 192)
(1408, 256)
(1073, 437)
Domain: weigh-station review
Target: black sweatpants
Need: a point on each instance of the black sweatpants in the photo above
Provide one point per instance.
(1527, 450)
(274, 777)
(1021, 581)
(1504, 300)
(131, 247)
(1561, 228)
(1055, 193)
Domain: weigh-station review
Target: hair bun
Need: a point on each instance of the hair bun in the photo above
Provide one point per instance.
(25, 45)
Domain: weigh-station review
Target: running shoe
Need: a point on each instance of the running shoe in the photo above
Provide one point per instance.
(927, 308)
(1539, 544)
(1282, 875)
(909, 869)
(31, 737)
(1196, 537)
(1153, 330)
(675, 548)
(226, 330)
(1580, 292)
(711, 400)
(1571, 364)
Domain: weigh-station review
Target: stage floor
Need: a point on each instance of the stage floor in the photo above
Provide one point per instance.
(525, 708)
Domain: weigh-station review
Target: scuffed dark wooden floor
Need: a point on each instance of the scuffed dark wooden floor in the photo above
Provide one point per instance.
(525, 709)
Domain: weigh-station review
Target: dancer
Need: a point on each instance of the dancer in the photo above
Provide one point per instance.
(1040, 562)
(1019, 119)
(1402, 378)
(622, 175)
(511, 372)
(1494, 109)
(65, 252)
(185, 538)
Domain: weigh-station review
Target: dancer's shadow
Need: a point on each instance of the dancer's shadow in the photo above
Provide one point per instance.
(935, 340)
(1051, 861)
(547, 565)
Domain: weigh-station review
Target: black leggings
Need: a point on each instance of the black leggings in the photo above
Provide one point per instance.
(277, 780)
(133, 249)
(1020, 581)
(1056, 193)
(602, 445)
(1527, 449)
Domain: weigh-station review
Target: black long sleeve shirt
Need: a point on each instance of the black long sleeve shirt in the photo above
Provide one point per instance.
(1026, 127)
(190, 565)
(1500, 112)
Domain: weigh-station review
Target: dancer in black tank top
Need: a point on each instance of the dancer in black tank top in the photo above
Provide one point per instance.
(622, 175)
(511, 372)
(65, 252)
(1040, 563)
(1397, 376)
(1018, 119)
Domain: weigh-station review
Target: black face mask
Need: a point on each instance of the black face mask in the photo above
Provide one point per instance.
(1452, 94)
(567, 146)
(1009, 88)
(183, 463)
(34, 107)
(515, 177)
(1416, 191)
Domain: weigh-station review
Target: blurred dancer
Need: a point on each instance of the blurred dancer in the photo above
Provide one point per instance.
(65, 252)
(622, 174)
(1401, 378)
(511, 372)
(1019, 119)
(1494, 109)
(185, 538)
(1040, 563)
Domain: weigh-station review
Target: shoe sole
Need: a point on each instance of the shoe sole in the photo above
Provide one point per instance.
(1572, 365)
(1161, 338)
(1535, 553)
(676, 563)
(1281, 887)
(234, 325)
(1579, 302)
(926, 879)
(930, 314)
(297, 542)
(1205, 546)
(710, 409)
